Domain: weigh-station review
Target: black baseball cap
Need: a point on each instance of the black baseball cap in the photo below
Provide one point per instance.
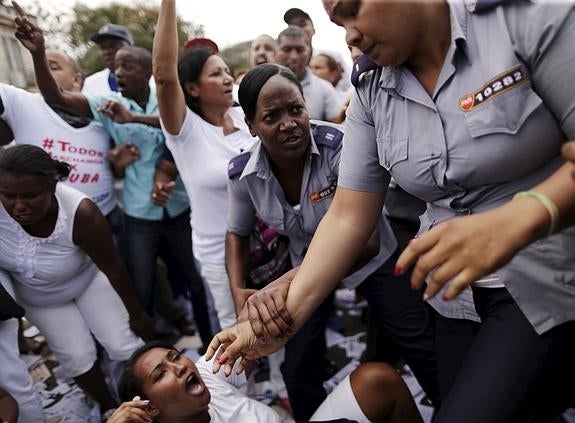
(294, 12)
(115, 31)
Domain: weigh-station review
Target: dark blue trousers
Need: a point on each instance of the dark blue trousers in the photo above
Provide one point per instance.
(502, 371)
(405, 322)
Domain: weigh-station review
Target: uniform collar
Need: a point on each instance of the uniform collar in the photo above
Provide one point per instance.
(307, 78)
(459, 16)
(260, 162)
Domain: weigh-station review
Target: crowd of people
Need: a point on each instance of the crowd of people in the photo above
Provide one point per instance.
(437, 180)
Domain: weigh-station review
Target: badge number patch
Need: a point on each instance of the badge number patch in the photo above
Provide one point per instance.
(316, 197)
(498, 85)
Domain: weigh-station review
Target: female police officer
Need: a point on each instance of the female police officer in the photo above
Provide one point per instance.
(288, 180)
(469, 108)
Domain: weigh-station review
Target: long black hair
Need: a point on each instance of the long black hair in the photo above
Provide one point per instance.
(24, 160)
(255, 79)
(190, 68)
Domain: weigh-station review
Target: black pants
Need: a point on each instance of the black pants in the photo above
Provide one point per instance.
(507, 373)
(405, 322)
(304, 368)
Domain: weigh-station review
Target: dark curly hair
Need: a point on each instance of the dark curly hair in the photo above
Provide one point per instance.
(24, 160)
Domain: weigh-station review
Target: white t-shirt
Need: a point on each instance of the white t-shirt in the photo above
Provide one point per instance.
(202, 153)
(97, 84)
(228, 404)
(86, 149)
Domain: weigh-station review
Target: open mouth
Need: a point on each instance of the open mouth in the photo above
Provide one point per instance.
(194, 385)
(291, 139)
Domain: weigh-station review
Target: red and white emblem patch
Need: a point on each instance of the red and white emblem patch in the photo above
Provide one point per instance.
(500, 84)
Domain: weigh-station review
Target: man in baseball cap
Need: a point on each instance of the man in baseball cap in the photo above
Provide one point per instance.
(298, 17)
(110, 38)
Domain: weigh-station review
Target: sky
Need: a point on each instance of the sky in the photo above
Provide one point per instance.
(231, 21)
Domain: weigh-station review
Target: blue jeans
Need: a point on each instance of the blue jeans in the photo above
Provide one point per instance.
(143, 240)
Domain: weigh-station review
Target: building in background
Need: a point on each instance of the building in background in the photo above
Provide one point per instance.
(16, 67)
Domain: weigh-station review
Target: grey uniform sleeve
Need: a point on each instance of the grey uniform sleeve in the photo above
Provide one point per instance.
(241, 212)
(359, 168)
(543, 35)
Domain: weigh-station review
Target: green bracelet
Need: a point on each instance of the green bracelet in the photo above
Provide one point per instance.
(549, 205)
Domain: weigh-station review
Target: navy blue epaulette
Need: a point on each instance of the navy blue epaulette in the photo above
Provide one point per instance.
(361, 65)
(485, 5)
(238, 164)
(327, 135)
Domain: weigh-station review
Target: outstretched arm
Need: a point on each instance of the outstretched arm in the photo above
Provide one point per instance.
(165, 66)
(339, 239)
(92, 235)
(32, 39)
(120, 114)
(237, 266)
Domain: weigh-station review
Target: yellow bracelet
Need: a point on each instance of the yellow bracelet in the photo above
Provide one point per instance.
(549, 205)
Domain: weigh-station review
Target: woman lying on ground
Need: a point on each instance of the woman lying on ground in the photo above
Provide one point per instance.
(161, 384)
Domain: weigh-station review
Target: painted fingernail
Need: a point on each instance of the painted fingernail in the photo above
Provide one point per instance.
(425, 296)
(397, 270)
(262, 339)
(223, 359)
(145, 402)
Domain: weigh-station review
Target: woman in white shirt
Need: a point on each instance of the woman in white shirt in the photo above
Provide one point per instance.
(56, 245)
(203, 132)
(160, 384)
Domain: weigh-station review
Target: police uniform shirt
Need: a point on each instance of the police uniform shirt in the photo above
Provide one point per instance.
(257, 192)
(502, 107)
(321, 99)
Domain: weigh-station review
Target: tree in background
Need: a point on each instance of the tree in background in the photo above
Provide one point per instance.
(238, 56)
(72, 30)
(140, 18)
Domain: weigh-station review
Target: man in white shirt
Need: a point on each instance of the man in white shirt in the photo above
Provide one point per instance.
(321, 98)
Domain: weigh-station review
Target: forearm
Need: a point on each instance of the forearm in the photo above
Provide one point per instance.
(237, 261)
(337, 242)
(45, 81)
(150, 120)
(121, 281)
(119, 172)
(560, 188)
(165, 48)
(165, 68)
(74, 102)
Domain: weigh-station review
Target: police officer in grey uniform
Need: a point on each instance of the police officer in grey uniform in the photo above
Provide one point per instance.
(288, 180)
(465, 115)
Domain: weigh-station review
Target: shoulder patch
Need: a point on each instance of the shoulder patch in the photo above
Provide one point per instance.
(327, 135)
(238, 164)
(362, 64)
(485, 5)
